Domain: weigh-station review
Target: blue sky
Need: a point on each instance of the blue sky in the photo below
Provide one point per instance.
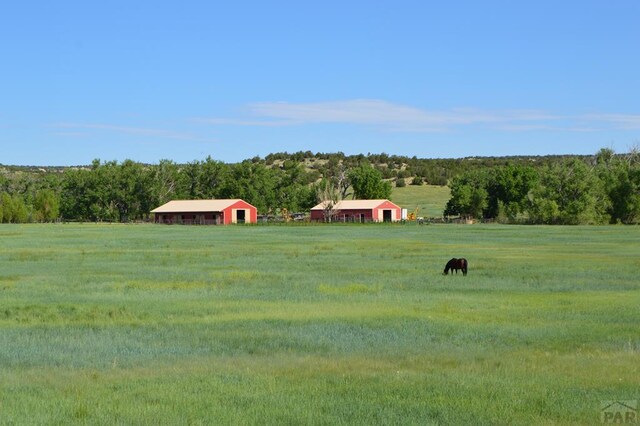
(151, 80)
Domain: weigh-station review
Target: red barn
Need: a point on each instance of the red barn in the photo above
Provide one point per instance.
(206, 212)
(357, 211)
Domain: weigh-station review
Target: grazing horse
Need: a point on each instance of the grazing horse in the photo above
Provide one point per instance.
(455, 264)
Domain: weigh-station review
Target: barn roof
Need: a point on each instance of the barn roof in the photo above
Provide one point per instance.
(353, 204)
(187, 206)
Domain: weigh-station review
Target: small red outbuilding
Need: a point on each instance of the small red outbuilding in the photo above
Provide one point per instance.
(205, 212)
(357, 211)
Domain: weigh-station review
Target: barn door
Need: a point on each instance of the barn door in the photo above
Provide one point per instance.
(240, 216)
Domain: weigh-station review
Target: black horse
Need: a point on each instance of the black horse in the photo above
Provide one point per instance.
(455, 264)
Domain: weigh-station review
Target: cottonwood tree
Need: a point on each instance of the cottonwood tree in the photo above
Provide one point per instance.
(165, 176)
(107, 192)
(620, 176)
(469, 196)
(508, 189)
(13, 209)
(367, 183)
(568, 193)
(211, 178)
(293, 189)
(254, 183)
(329, 196)
(46, 206)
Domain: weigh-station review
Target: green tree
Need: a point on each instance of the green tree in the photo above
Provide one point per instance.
(104, 183)
(166, 182)
(367, 183)
(254, 183)
(508, 188)
(20, 210)
(620, 176)
(46, 206)
(107, 192)
(133, 194)
(79, 199)
(211, 178)
(568, 193)
(6, 207)
(14, 209)
(190, 180)
(292, 189)
(469, 196)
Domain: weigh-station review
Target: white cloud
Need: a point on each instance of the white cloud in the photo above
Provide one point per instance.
(620, 121)
(543, 127)
(72, 134)
(377, 113)
(243, 122)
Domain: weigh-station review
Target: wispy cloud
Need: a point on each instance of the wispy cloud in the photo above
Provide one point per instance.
(543, 127)
(377, 113)
(139, 131)
(72, 134)
(395, 117)
(246, 122)
(621, 121)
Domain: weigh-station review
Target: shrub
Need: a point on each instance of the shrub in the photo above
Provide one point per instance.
(417, 180)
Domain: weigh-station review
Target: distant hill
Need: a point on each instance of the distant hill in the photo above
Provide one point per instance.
(434, 171)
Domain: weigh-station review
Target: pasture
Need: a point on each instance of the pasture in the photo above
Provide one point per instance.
(146, 324)
(429, 200)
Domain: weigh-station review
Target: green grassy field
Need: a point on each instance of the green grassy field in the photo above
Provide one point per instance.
(145, 324)
(429, 199)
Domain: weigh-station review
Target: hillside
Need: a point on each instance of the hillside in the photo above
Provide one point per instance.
(435, 171)
(425, 200)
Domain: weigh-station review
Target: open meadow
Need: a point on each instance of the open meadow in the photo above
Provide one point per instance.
(317, 324)
(427, 200)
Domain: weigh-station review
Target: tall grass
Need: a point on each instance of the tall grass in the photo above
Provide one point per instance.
(108, 324)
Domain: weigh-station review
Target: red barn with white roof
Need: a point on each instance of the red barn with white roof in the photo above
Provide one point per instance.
(357, 211)
(205, 212)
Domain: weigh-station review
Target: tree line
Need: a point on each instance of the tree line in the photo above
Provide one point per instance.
(127, 191)
(604, 188)
(601, 189)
